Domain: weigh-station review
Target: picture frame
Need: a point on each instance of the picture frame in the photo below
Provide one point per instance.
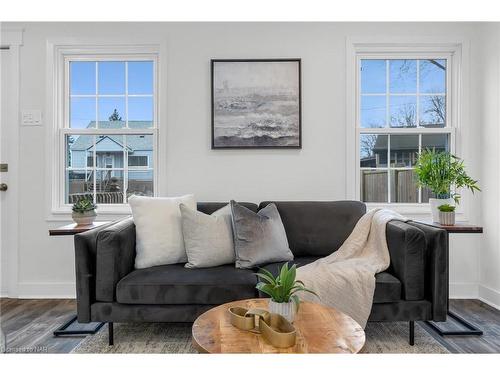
(256, 103)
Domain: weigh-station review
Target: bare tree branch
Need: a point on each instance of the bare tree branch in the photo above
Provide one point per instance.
(440, 66)
(367, 144)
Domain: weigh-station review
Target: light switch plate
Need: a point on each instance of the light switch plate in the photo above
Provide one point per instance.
(31, 117)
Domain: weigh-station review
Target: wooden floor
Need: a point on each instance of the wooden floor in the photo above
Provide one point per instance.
(479, 314)
(28, 325)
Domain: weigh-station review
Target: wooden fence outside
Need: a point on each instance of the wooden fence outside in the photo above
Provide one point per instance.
(403, 187)
(106, 198)
(374, 186)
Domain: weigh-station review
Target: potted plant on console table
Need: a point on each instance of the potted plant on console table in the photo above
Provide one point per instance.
(84, 211)
(443, 173)
(446, 214)
(282, 289)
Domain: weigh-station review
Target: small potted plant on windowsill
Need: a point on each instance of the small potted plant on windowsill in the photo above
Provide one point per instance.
(444, 174)
(282, 289)
(84, 211)
(446, 214)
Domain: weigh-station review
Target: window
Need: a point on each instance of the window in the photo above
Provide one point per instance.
(135, 161)
(110, 128)
(402, 108)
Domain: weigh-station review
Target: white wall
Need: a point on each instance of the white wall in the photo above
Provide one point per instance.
(489, 285)
(46, 264)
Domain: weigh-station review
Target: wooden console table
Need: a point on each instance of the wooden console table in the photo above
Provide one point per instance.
(81, 329)
(471, 330)
(71, 229)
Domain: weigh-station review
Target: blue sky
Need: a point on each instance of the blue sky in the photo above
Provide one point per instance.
(402, 80)
(111, 81)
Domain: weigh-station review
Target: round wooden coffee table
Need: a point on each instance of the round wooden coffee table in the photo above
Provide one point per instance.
(320, 329)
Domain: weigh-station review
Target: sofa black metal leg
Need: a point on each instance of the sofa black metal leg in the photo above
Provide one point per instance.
(412, 332)
(110, 333)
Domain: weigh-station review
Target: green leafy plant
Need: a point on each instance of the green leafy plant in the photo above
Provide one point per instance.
(443, 173)
(446, 208)
(283, 287)
(84, 205)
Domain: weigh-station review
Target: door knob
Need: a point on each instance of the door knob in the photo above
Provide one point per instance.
(3, 187)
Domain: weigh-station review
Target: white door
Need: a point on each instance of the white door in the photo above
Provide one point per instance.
(9, 93)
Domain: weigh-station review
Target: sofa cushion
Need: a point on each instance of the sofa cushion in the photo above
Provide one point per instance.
(175, 284)
(387, 288)
(318, 228)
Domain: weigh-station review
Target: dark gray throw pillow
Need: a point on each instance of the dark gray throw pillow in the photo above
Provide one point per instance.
(259, 238)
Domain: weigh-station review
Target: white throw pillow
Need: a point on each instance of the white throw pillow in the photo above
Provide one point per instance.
(208, 238)
(158, 230)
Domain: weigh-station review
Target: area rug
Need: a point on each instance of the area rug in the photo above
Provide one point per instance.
(176, 339)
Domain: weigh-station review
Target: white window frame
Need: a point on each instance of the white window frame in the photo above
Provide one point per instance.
(59, 54)
(401, 48)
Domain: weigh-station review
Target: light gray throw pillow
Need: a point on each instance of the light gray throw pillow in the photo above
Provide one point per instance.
(259, 238)
(208, 239)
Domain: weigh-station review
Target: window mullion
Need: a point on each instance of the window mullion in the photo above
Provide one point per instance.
(417, 115)
(94, 172)
(126, 94)
(405, 130)
(419, 151)
(118, 131)
(387, 97)
(96, 95)
(125, 169)
(388, 168)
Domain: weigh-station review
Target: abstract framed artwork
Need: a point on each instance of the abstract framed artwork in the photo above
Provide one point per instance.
(256, 104)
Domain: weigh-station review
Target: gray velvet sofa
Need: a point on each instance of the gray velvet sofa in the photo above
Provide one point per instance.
(109, 289)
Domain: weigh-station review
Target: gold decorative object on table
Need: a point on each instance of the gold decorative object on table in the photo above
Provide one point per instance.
(275, 329)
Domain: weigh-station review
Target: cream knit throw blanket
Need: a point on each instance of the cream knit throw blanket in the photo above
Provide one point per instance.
(346, 279)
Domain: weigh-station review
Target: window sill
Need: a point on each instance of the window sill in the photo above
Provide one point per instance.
(416, 211)
(106, 213)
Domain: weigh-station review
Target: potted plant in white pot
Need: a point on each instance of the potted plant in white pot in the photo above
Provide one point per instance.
(282, 289)
(446, 214)
(84, 211)
(444, 174)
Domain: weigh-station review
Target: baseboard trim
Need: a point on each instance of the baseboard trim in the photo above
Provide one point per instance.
(489, 296)
(464, 291)
(47, 290)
